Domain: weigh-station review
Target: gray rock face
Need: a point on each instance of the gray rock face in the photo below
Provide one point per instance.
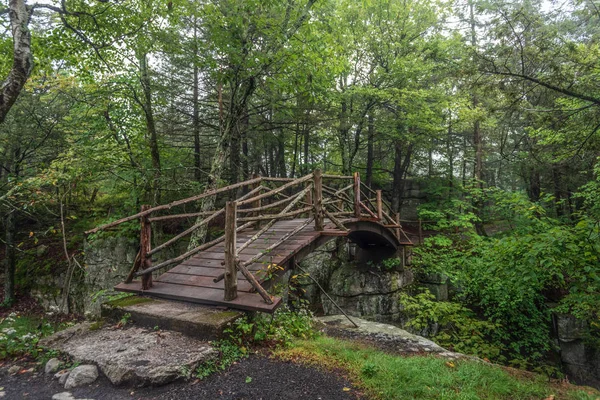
(368, 293)
(359, 291)
(81, 375)
(570, 328)
(108, 262)
(52, 365)
(581, 361)
(132, 355)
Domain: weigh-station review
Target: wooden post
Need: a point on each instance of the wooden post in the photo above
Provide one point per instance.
(145, 247)
(356, 195)
(309, 202)
(397, 217)
(318, 199)
(420, 232)
(379, 205)
(257, 203)
(230, 251)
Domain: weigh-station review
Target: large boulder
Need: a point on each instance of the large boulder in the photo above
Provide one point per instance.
(132, 355)
(366, 292)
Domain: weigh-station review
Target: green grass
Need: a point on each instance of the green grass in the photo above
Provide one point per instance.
(19, 334)
(21, 324)
(386, 376)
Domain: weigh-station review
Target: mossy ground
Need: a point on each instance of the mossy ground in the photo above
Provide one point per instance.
(384, 376)
(129, 301)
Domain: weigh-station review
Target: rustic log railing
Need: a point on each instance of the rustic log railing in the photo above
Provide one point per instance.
(267, 201)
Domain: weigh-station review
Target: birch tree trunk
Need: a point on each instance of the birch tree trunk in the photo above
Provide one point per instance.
(22, 66)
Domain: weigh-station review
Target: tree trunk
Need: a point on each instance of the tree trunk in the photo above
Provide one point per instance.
(22, 57)
(237, 107)
(10, 233)
(450, 155)
(296, 147)
(557, 192)
(234, 157)
(370, 140)
(306, 140)
(535, 186)
(196, 110)
(10, 261)
(478, 204)
(281, 154)
(401, 165)
(343, 139)
(150, 126)
(244, 126)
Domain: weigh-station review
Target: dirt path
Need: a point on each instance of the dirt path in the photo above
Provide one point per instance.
(254, 378)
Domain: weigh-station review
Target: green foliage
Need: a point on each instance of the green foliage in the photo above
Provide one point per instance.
(229, 353)
(391, 263)
(459, 328)
(20, 334)
(509, 279)
(279, 328)
(124, 319)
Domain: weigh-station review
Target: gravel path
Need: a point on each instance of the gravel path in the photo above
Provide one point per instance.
(254, 378)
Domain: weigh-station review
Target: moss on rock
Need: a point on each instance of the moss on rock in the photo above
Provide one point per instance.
(129, 301)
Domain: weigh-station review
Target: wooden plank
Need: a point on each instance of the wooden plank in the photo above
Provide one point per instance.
(332, 232)
(213, 272)
(197, 270)
(199, 262)
(244, 301)
(200, 281)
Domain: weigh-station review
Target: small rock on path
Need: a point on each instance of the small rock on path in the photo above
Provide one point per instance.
(65, 396)
(81, 375)
(52, 365)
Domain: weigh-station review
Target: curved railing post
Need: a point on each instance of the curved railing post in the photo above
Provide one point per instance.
(379, 205)
(145, 247)
(230, 279)
(356, 195)
(318, 199)
(257, 203)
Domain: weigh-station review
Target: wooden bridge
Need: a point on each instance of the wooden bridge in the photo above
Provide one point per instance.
(268, 229)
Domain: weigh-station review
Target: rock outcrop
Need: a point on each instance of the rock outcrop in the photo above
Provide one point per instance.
(360, 289)
(132, 355)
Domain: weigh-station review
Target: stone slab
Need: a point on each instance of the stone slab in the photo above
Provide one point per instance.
(194, 320)
(388, 337)
(132, 355)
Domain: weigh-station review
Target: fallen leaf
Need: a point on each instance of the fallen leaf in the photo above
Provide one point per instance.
(346, 389)
(450, 364)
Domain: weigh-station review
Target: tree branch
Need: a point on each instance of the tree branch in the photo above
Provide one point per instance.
(566, 92)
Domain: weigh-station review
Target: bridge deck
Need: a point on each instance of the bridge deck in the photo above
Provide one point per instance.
(192, 280)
